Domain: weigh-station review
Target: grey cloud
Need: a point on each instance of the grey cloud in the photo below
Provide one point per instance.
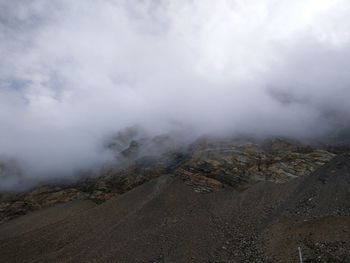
(74, 72)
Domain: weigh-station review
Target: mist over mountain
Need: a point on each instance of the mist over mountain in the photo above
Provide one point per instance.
(74, 73)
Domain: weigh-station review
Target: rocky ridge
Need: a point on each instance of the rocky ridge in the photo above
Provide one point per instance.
(208, 164)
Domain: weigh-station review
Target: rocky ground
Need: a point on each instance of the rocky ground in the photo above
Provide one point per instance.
(215, 200)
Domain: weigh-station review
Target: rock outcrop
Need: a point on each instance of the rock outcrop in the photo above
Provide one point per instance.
(207, 165)
(240, 163)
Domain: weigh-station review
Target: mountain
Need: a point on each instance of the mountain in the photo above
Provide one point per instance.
(216, 200)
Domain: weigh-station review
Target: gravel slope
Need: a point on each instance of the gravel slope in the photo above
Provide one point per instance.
(165, 220)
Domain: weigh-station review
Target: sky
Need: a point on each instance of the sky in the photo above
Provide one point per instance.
(74, 72)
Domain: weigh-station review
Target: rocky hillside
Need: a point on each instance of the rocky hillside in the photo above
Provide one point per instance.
(208, 164)
(215, 200)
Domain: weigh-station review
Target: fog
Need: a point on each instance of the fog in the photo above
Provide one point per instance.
(74, 72)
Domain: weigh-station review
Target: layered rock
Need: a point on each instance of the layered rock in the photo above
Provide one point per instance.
(240, 163)
(207, 165)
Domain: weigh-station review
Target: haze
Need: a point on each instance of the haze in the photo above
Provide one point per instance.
(74, 72)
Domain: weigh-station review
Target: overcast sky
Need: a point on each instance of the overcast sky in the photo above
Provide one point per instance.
(72, 72)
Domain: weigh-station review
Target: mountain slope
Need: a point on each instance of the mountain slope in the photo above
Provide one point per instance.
(165, 220)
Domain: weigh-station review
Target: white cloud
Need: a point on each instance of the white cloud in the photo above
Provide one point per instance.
(73, 71)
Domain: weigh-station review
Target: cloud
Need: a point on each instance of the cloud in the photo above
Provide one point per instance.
(73, 72)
